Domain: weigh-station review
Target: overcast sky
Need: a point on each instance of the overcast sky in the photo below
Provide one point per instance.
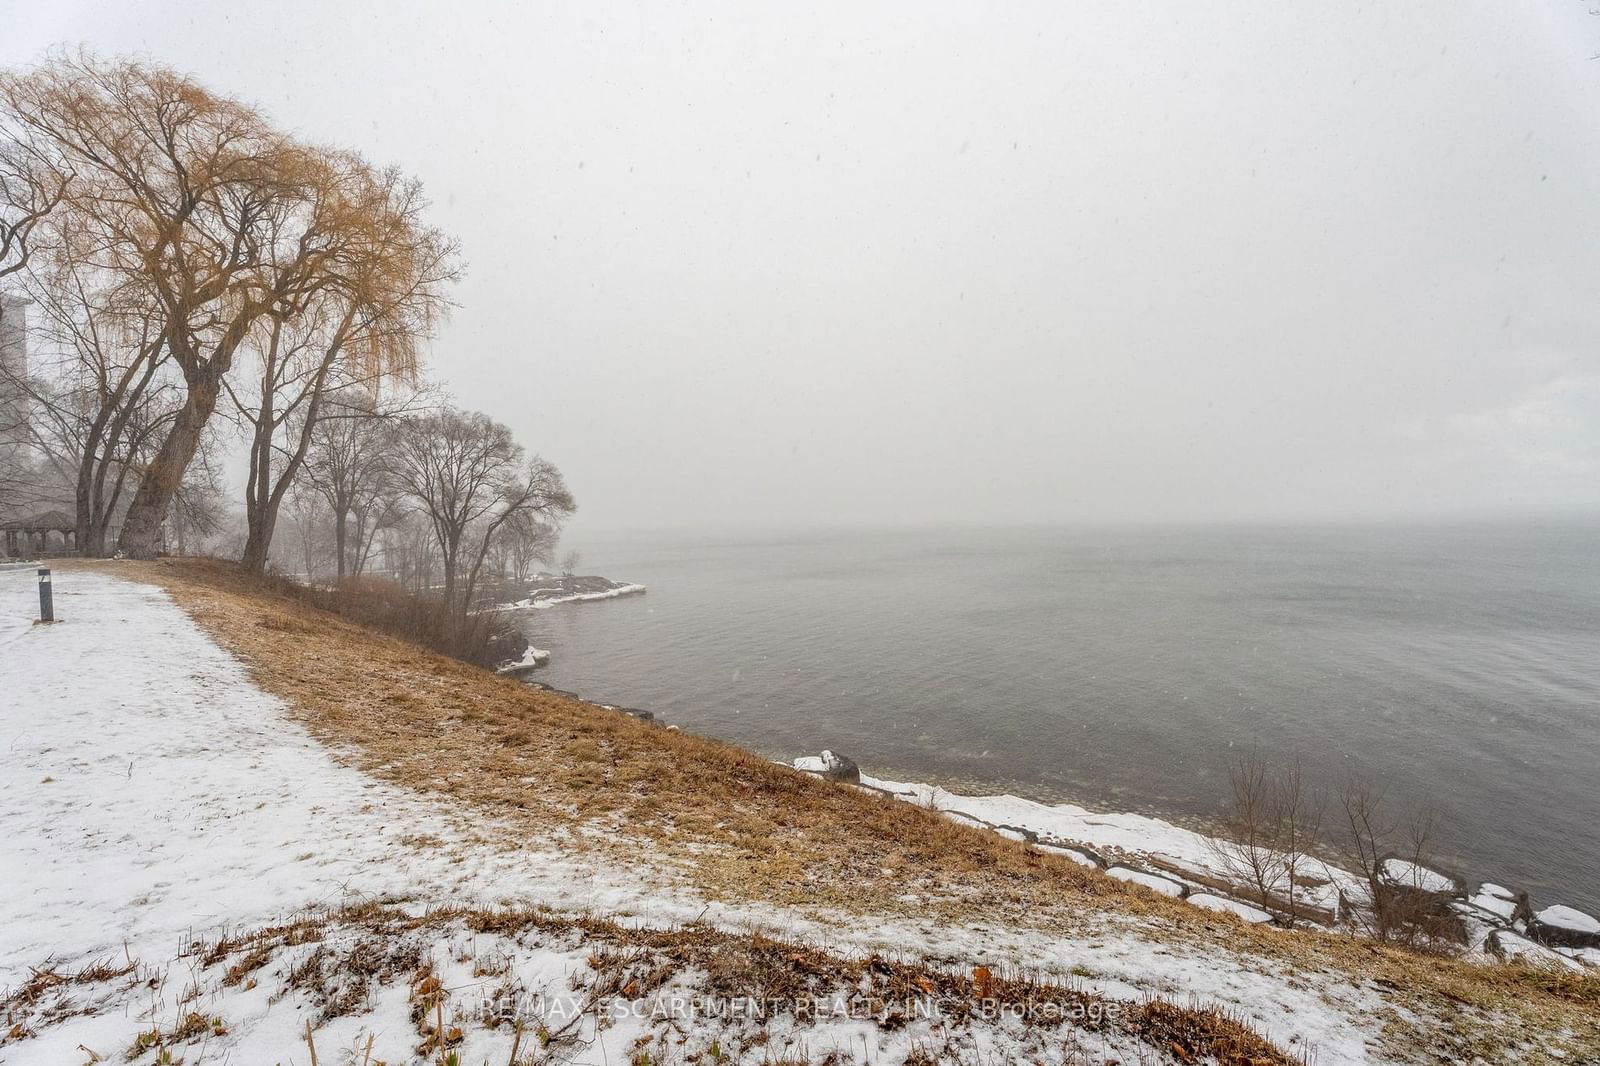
(936, 263)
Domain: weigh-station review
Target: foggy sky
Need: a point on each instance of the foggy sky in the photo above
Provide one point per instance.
(851, 263)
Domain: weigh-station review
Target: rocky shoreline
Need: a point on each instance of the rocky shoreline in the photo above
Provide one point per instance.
(546, 591)
(1491, 922)
(550, 590)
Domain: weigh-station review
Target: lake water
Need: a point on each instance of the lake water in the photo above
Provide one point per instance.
(1122, 669)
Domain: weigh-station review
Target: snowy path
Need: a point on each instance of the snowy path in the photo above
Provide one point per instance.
(149, 790)
(150, 793)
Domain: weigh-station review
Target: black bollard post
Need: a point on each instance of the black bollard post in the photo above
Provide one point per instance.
(47, 607)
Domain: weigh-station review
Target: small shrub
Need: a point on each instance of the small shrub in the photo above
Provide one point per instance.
(482, 638)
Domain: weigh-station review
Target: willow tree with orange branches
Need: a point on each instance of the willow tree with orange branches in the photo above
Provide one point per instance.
(350, 338)
(225, 225)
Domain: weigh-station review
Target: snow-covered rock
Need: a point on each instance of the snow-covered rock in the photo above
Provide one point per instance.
(1402, 874)
(1212, 902)
(1566, 926)
(530, 658)
(1568, 918)
(1497, 901)
(1117, 835)
(1476, 927)
(1082, 858)
(1155, 882)
(830, 765)
(1509, 945)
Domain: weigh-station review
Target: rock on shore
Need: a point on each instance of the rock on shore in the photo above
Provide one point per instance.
(1566, 927)
(530, 658)
(834, 767)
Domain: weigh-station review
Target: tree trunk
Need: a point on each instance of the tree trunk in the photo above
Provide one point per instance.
(366, 533)
(450, 546)
(90, 483)
(258, 541)
(99, 453)
(263, 494)
(141, 529)
(90, 544)
(340, 520)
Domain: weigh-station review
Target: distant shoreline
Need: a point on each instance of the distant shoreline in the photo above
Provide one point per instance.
(547, 590)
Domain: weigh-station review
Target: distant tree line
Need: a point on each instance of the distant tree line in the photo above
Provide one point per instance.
(197, 278)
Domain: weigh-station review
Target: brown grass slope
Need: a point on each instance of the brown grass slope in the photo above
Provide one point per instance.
(741, 828)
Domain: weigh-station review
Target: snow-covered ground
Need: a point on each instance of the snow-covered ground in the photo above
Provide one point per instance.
(151, 795)
(148, 788)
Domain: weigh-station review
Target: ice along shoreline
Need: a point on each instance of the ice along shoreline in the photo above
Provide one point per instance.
(550, 590)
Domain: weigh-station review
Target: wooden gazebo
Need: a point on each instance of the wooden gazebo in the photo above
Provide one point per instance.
(49, 533)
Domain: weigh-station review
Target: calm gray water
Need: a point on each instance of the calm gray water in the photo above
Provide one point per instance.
(1121, 668)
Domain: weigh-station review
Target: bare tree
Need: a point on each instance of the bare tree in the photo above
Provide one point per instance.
(104, 395)
(184, 192)
(468, 478)
(1271, 827)
(1247, 846)
(569, 563)
(310, 550)
(30, 188)
(522, 542)
(411, 550)
(1373, 835)
(347, 463)
(532, 543)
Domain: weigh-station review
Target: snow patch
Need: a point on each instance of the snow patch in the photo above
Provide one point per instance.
(531, 658)
(1164, 885)
(1495, 904)
(1410, 875)
(1210, 902)
(1079, 857)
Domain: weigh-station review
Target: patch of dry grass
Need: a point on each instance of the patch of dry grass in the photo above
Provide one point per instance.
(381, 946)
(45, 998)
(738, 827)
